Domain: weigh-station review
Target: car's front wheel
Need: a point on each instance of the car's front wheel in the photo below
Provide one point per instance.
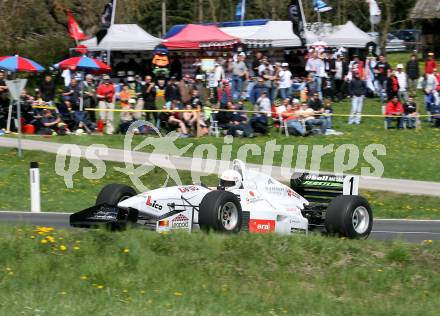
(220, 211)
(349, 216)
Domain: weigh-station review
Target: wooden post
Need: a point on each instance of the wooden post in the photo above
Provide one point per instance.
(164, 17)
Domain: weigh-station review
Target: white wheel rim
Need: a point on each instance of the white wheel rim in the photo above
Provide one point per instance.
(229, 216)
(360, 220)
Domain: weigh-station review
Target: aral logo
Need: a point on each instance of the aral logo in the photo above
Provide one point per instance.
(261, 226)
(153, 204)
(180, 222)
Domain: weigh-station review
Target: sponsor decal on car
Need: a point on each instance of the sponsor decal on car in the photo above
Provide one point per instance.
(323, 184)
(189, 188)
(261, 226)
(180, 222)
(331, 178)
(153, 204)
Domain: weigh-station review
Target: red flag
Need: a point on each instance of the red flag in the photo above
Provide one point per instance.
(75, 31)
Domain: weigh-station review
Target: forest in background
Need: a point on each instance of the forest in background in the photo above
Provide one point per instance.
(38, 28)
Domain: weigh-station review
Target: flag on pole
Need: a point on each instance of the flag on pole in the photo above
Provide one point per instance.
(240, 11)
(375, 12)
(297, 18)
(106, 16)
(321, 6)
(74, 29)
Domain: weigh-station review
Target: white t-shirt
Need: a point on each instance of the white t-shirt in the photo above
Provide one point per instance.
(285, 79)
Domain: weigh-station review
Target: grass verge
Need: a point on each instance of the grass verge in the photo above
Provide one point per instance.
(409, 153)
(48, 272)
(14, 188)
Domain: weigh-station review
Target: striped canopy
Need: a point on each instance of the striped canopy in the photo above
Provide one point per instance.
(18, 64)
(83, 63)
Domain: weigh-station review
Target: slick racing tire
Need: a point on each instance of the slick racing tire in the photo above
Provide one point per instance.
(349, 216)
(112, 194)
(220, 211)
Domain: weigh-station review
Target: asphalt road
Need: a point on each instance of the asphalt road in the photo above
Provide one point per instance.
(383, 229)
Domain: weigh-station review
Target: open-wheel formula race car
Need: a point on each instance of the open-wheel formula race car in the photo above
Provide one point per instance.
(246, 200)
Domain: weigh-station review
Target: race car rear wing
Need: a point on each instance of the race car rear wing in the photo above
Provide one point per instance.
(322, 188)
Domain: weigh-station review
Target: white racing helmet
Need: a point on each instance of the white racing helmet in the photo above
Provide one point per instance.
(231, 180)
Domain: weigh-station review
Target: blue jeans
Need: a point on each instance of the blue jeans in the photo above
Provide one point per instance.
(356, 109)
(310, 124)
(285, 93)
(296, 126)
(237, 85)
(410, 121)
(398, 119)
(328, 121)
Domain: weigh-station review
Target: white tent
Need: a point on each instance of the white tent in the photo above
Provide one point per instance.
(124, 37)
(275, 34)
(241, 31)
(348, 35)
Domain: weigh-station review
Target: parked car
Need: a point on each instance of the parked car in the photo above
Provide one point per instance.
(393, 43)
(408, 35)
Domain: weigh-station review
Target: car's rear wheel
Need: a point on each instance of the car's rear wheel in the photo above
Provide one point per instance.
(220, 211)
(349, 216)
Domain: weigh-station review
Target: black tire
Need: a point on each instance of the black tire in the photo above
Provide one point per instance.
(340, 220)
(210, 212)
(112, 194)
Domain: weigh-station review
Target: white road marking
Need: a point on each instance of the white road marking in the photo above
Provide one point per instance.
(393, 232)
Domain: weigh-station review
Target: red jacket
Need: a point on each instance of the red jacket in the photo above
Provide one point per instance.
(430, 65)
(393, 108)
(106, 92)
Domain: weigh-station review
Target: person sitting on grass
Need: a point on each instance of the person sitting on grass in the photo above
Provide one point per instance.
(52, 125)
(411, 114)
(292, 119)
(175, 122)
(312, 123)
(394, 112)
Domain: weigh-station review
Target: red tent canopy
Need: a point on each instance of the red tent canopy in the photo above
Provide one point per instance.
(195, 36)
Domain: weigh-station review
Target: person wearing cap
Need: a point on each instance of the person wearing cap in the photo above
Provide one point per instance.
(106, 97)
(402, 79)
(285, 78)
(430, 64)
(413, 73)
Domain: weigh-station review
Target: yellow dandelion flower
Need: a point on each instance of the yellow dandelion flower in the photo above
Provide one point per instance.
(429, 241)
(124, 291)
(50, 239)
(63, 248)
(11, 272)
(379, 270)
(32, 237)
(63, 293)
(142, 292)
(84, 277)
(100, 286)
(178, 293)
(126, 250)
(43, 241)
(8, 269)
(76, 248)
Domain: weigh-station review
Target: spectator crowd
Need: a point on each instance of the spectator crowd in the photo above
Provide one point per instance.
(296, 102)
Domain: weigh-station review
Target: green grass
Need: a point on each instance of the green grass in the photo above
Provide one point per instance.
(135, 272)
(410, 153)
(14, 188)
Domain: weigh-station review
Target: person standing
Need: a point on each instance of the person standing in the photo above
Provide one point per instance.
(339, 70)
(285, 81)
(47, 89)
(413, 73)
(106, 97)
(316, 66)
(239, 75)
(358, 89)
(89, 95)
(381, 71)
(402, 79)
(430, 64)
(149, 95)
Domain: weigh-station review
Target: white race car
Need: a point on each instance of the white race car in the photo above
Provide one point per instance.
(246, 200)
